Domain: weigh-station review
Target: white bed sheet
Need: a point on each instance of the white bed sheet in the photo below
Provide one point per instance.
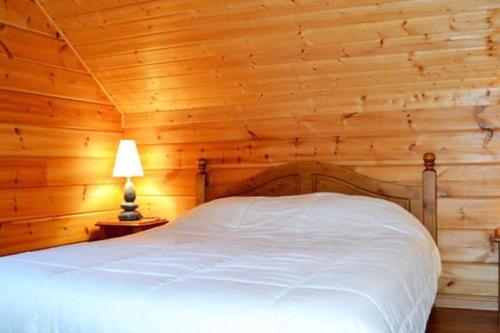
(312, 263)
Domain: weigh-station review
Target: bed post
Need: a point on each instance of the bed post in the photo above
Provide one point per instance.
(201, 181)
(429, 194)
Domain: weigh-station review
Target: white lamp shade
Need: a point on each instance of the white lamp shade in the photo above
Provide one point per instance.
(127, 163)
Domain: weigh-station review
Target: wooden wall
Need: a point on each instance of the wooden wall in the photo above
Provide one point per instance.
(371, 84)
(58, 137)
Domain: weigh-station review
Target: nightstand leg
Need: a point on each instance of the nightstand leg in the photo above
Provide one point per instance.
(498, 290)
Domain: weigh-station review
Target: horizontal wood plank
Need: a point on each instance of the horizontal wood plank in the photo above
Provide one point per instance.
(28, 109)
(486, 303)
(23, 44)
(353, 99)
(23, 172)
(469, 213)
(32, 203)
(215, 12)
(309, 24)
(30, 141)
(169, 207)
(51, 81)
(49, 232)
(460, 147)
(141, 68)
(26, 14)
(348, 124)
(469, 279)
(476, 246)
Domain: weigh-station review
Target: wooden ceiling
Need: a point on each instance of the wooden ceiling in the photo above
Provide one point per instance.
(165, 55)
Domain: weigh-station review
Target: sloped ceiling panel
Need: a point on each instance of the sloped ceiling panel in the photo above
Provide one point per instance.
(170, 55)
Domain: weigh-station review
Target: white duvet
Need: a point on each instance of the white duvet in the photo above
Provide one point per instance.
(303, 264)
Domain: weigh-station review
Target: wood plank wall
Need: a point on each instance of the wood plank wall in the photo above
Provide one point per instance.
(58, 137)
(371, 84)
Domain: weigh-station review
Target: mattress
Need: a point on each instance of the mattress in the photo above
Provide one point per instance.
(321, 262)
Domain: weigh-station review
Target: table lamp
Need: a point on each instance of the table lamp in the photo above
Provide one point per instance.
(128, 164)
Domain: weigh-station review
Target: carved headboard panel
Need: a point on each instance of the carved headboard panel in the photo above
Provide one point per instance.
(324, 183)
(307, 177)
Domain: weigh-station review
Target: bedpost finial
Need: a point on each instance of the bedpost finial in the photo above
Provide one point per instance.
(429, 161)
(202, 165)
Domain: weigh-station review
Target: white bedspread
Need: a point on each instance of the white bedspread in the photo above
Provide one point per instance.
(309, 264)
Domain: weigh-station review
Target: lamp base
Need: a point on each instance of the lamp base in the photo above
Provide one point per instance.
(129, 207)
(130, 216)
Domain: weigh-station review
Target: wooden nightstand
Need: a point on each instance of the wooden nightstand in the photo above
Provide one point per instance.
(115, 228)
(496, 238)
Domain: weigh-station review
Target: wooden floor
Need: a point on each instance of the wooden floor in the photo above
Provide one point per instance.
(462, 321)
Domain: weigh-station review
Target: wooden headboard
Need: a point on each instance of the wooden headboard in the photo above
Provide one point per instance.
(308, 177)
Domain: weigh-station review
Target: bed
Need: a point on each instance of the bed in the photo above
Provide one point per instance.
(302, 247)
